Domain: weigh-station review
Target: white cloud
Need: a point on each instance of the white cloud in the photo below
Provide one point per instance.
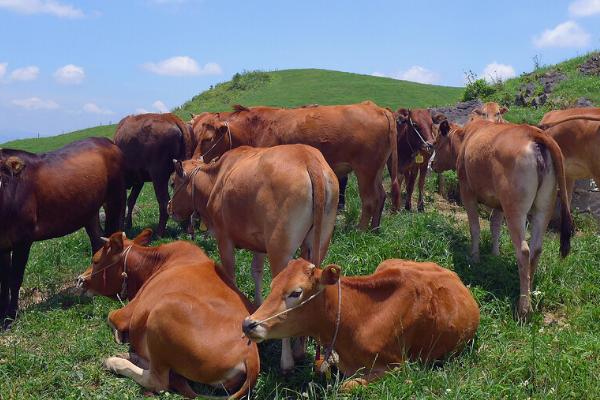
(182, 66)
(567, 34)
(3, 69)
(496, 71)
(69, 75)
(160, 106)
(93, 108)
(51, 7)
(140, 111)
(416, 73)
(35, 103)
(584, 8)
(29, 73)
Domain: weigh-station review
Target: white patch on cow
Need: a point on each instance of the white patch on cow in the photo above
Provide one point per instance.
(238, 370)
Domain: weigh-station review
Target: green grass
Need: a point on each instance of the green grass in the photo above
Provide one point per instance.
(56, 347)
(54, 142)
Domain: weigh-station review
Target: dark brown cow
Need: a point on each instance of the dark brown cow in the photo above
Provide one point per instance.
(52, 194)
(150, 142)
(359, 137)
(268, 200)
(417, 131)
(514, 169)
(405, 310)
(183, 320)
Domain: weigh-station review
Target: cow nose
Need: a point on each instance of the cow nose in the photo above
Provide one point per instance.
(249, 325)
(80, 282)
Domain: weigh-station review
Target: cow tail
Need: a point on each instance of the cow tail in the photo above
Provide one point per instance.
(566, 220)
(187, 138)
(315, 172)
(393, 168)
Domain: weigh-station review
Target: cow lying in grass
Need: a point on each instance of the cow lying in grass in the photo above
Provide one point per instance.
(268, 200)
(181, 319)
(514, 169)
(404, 310)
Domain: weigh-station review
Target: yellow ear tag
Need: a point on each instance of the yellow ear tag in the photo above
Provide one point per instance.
(203, 227)
(419, 158)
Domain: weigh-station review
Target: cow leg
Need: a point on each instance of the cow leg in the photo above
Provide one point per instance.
(516, 227)
(115, 206)
(119, 320)
(258, 262)
(94, 232)
(19, 261)
(227, 253)
(287, 358)
(161, 190)
(410, 176)
(570, 185)
(372, 196)
(539, 223)
(422, 175)
(470, 204)
(133, 196)
(151, 379)
(181, 385)
(496, 227)
(343, 182)
(5, 268)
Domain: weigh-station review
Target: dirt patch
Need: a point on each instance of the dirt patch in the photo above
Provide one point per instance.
(556, 318)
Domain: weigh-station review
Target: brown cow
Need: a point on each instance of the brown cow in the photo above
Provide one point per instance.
(406, 309)
(579, 141)
(417, 131)
(48, 195)
(489, 111)
(514, 169)
(150, 142)
(358, 137)
(182, 321)
(267, 200)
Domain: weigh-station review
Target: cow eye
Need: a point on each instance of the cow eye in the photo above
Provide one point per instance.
(295, 294)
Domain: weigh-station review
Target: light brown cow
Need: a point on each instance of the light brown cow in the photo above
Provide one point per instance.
(514, 169)
(357, 137)
(489, 111)
(406, 309)
(268, 200)
(579, 141)
(183, 314)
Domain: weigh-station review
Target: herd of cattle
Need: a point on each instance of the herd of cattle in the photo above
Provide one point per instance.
(271, 180)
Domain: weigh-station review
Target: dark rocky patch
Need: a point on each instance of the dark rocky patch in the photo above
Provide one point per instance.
(459, 113)
(591, 66)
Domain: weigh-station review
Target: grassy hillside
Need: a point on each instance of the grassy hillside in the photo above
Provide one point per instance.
(285, 89)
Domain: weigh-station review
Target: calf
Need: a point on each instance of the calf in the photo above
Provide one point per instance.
(489, 111)
(514, 169)
(267, 200)
(48, 195)
(180, 317)
(404, 310)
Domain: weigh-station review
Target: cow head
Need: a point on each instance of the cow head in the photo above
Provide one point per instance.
(105, 275)
(291, 292)
(489, 112)
(417, 127)
(445, 153)
(191, 184)
(213, 136)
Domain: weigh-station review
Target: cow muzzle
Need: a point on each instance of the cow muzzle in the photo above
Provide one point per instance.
(254, 330)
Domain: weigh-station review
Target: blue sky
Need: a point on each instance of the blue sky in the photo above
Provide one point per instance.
(67, 64)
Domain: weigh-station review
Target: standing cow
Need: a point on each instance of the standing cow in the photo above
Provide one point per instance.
(43, 196)
(150, 142)
(268, 200)
(514, 169)
(358, 137)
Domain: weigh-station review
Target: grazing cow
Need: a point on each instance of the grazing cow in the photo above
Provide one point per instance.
(268, 200)
(489, 111)
(579, 141)
(406, 309)
(181, 321)
(52, 194)
(150, 142)
(358, 137)
(514, 169)
(416, 135)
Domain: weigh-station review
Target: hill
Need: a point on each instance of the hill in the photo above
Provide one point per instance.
(287, 88)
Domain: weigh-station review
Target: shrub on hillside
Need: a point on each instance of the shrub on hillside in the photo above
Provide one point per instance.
(478, 88)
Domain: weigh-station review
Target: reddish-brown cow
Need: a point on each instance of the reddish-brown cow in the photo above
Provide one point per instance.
(359, 137)
(514, 169)
(183, 314)
(52, 194)
(150, 142)
(406, 309)
(489, 111)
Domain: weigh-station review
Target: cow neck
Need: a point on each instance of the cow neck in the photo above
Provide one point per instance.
(202, 186)
(142, 262)
(456, 137)
(407, 149)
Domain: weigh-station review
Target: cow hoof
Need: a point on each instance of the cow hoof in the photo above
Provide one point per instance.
(352, 384)
(421, 208)
(524, 309)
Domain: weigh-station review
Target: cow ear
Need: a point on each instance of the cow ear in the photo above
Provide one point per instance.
(221, 130)
(438, 118)
(115, 242)
(503, 110)
(179, 168)
(402, 115)
(477, 111)
(330, 275)
(144, 237)
(15, 165)
(444, 128)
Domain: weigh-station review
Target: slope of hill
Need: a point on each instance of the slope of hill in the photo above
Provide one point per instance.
(286, 88)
